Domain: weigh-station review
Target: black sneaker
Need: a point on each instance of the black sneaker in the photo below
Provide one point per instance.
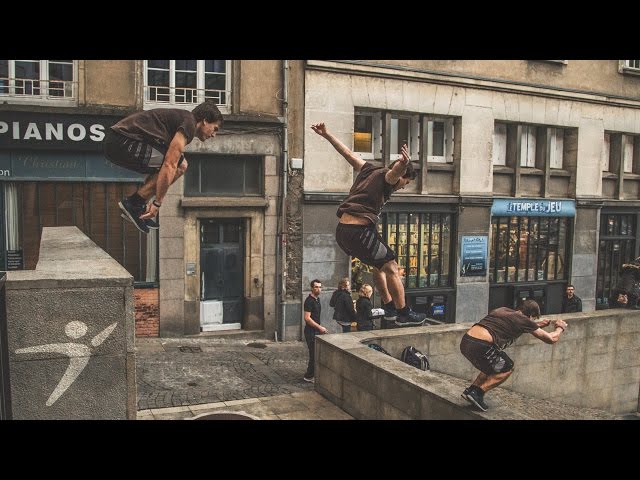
(475, 397)
(133, 213)
(410, 318)
(390, 312)
(151, 224)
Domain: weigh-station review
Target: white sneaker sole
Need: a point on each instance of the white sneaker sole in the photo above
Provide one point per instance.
(127, 216)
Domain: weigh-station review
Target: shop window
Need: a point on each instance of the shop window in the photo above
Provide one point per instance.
(187, 82)
(422, 242)
(92, 207)
(617, 247)
(46, 81)
(224, 175)
(528, 249)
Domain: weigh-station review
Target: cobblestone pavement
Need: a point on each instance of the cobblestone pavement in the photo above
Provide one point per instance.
(182, 372)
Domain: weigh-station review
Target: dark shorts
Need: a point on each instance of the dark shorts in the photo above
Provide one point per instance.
(365, 243)
(132, 154)
(485, 356)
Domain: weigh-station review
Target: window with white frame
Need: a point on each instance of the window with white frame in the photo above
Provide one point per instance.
(556, 139)
(635, 64)
(187, 83)
(630, 67)
(49, 80)
(499, 144)
(403, 127)
(440, 140)
(366, 135)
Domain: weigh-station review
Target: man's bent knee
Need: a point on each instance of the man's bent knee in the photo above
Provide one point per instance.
(390, 267)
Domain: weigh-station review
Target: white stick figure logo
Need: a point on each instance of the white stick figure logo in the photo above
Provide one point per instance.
(78, 353)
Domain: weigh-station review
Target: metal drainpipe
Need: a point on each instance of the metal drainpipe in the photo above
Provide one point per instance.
(283, 210)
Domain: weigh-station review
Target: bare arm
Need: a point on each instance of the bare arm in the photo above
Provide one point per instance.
(399, 168)
(552, 337)
(312, 323)
(167, 172)
(355, 161)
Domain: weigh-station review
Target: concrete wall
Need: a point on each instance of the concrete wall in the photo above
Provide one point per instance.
(110, 83)
(595, 365)
(71, 333)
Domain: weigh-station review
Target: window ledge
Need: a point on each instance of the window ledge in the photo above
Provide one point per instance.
(531, 171)
(631, 176)
(609, 175)
(443, 167)
(213, 202)
(558, 172)
(502, 169)
(630, 71)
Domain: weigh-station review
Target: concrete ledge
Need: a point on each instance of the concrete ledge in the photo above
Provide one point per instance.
(561, 381)
(70, 325)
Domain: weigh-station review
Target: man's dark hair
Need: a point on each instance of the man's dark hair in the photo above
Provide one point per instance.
(409, 173)
(208, 111)
(530, 308)
(571, 286)
(314, 281)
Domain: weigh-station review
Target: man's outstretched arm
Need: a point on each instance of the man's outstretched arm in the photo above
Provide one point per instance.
(355, 161)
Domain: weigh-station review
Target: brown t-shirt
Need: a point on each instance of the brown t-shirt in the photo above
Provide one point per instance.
(157, 126)
(368, 194)
(506, 325)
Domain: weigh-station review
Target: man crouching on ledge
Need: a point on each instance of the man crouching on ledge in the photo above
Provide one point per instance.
(484, 342)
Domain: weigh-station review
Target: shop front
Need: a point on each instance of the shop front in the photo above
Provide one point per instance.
(530, 251)
(53, 173)
(423, 238)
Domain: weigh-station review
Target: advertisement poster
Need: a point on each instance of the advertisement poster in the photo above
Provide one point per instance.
(473, 260)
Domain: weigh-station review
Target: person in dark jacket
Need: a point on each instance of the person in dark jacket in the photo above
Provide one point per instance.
(342, 303)
(571, 302)
(363, 308)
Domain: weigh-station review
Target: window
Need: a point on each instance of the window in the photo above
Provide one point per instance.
(500, 144)
(556, 137)
(528, 249)
(368, 137)
(90, 206)
(620, 147)
(630, 67)
(627, 153)
(224, 175)
(49, 80)
(606, 152)
(440, 140)
(617, 246)
(422, 242)
(505, 138)
(187, 82)
(528, 146)
(367, 141)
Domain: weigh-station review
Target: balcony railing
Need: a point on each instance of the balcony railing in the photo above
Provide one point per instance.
(184, 96)
(36, 88)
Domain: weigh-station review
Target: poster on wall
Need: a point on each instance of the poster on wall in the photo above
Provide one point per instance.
(473, 258)
(14, 260)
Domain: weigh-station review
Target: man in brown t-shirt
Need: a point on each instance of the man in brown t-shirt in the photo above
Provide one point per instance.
(356, 232)
(484, 342)
(153, 142)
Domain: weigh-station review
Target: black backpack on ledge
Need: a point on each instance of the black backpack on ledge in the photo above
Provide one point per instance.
(415, 358)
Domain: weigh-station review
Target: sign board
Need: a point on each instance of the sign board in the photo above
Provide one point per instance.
(533, 207)
(473, 258)
(15, 260)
